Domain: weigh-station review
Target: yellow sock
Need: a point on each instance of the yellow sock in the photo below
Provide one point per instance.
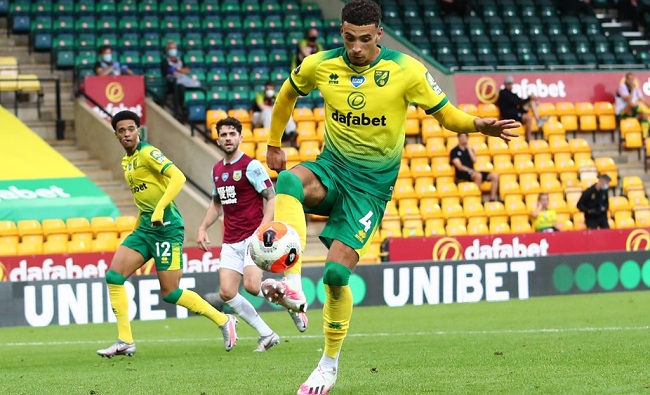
(289, 210)
(336, 317)
(120, 305)
(196, 304)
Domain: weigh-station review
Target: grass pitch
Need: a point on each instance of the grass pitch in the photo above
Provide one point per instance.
(586, 344)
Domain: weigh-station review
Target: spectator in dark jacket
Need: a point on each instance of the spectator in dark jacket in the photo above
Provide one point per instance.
(594, 202)
(514, 107)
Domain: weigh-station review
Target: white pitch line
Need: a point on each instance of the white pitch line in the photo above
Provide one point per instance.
(381, 334)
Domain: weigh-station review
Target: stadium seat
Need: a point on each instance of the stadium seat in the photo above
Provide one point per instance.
(55, 247)
(29, 227)
(125, 223)
(488, 110)
(103, 224)
(27, 248)
(78, 225)
(79, 246)
(499, 227)
(8, 249)
(54, 226)
(8, 228)
(434, 227)
(539, 146)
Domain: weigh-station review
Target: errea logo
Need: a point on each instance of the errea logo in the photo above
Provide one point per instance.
(334, 79)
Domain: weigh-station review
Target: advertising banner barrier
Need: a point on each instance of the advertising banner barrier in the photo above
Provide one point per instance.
(92, 265)
(476, 88)
(517, 245)
(83, 301)
(117, 93)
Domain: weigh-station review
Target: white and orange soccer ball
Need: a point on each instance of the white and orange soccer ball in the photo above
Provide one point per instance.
(275, 247)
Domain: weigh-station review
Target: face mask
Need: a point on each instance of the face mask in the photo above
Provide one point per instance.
(269, 93)
(313, 38)
(107, 57)
(172, 52)
(605, 187)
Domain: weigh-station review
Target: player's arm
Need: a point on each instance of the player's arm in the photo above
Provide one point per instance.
(269, 196)
(285, 101)
(211, 216)
(176, 182)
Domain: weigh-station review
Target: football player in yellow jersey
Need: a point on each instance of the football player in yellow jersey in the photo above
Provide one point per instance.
(366, 89)
(159, 234)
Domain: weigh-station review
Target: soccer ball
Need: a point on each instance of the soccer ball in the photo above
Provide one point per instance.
(275, 247)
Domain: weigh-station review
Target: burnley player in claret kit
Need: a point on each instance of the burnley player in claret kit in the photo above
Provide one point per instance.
(241, 185)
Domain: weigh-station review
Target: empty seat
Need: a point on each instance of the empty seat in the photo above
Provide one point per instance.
(78, 225)
(29, 227)
(125, 223)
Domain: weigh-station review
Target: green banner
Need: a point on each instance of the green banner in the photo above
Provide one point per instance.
(54, 198)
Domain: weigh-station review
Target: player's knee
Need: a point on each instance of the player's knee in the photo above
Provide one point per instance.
(115, 278)
(251, 286)
(336, 274)
(289, 184)
(173, 296)
(227, 294)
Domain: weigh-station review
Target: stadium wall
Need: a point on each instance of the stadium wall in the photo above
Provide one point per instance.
(193, 156)
(82, 301)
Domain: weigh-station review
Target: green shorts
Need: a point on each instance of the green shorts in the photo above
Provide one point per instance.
(164, 244)
(354, 214)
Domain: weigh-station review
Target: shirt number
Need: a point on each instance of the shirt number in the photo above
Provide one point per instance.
(162, 249)
(366, 222)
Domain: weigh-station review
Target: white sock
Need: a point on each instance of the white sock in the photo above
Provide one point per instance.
(247, 312)
(295, 280)
(329, 363)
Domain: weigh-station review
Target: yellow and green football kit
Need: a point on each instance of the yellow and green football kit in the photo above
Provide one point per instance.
(144, 172)
(365, 122)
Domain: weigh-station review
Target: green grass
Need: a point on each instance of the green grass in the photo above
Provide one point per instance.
(587, 344)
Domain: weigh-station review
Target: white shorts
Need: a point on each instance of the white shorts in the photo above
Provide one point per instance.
(235, 256)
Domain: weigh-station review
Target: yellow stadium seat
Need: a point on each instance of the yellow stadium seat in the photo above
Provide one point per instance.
(497, 146)
(435, 147)
(452, 211)
(243, 116)
(523, 163)
(442, 168)
(409, 209)
(309, 150)
(32, 239)
(78, 225)
(579, 221)
(469, 108)
(260, 152)
(446, 189)
(521, 227)
(557, 202)
(404, 169)
(451, 141)
(420, 168)
(551, 128)
(642, 217)
(372, 254)
(488, 110)
(82, 236)
(569, 122)
(473, 208)
(477, 229)
(412, 228)
(558, 143)
(103, 245)
(53, 226)
(623, 222)
(430, 127)
(30, 248)
(588, 123)
(564, 108)
(390, 212)
(572, 195)
(125, 223)
(494, 209)
(303, 114)
(307, 134)
(292, 154)
(248, 147)
(508, 185)
(415, 150)
(499, 228)
(430, 208)
(550, 183)
(544, 163)
(103, 224)
(468, 189)
(564, 162)
(29, 227)
(58, 237)
(583, 159)
(584, 108)
(619, 203)
(412, 127)
(528, 183)
(630, 183)
(211, 119)
(455, 230)
(434, 227)
(637, 197)
(518, 146)
(260, 135)
(539, 147)
(55, 247)
(9, 240)
(319, 114)
(403, 189)
(78, 246)
(569, 179)
(514, 205)
(424, 187)
(8, 249)
(8, 228)
(122, 237)
(502, 164)
(546, 109)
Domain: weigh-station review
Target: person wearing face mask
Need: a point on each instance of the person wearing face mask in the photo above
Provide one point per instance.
(307, 46)
(172, 65)
(107, 65)
(594, 202)
(262, 110)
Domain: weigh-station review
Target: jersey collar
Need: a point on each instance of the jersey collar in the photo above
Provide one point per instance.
(241, 154)
(371, 65)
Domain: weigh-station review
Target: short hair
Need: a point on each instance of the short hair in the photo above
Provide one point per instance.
(230, 121)
(269, 82)
(124, 115)
(361, 13)
(103, 48)
(542, 194)
(605, 177)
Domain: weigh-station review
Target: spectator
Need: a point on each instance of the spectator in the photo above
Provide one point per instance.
(263, 108)
(634, 10)
(106, 65)
(307, 46)
(462, 157)
(544, 219)
(173, 69)
(594, 202)
(512, 106)
(628, 97)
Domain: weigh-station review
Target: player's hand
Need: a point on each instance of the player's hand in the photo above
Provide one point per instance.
(202, 240)
(157, 218)
(497, 128)
(276, 158)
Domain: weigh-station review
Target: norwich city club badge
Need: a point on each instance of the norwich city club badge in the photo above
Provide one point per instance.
(381, 77)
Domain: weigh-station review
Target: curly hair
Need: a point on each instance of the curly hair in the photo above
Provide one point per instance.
(230, 121)
(123, 115)
(361, 13)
